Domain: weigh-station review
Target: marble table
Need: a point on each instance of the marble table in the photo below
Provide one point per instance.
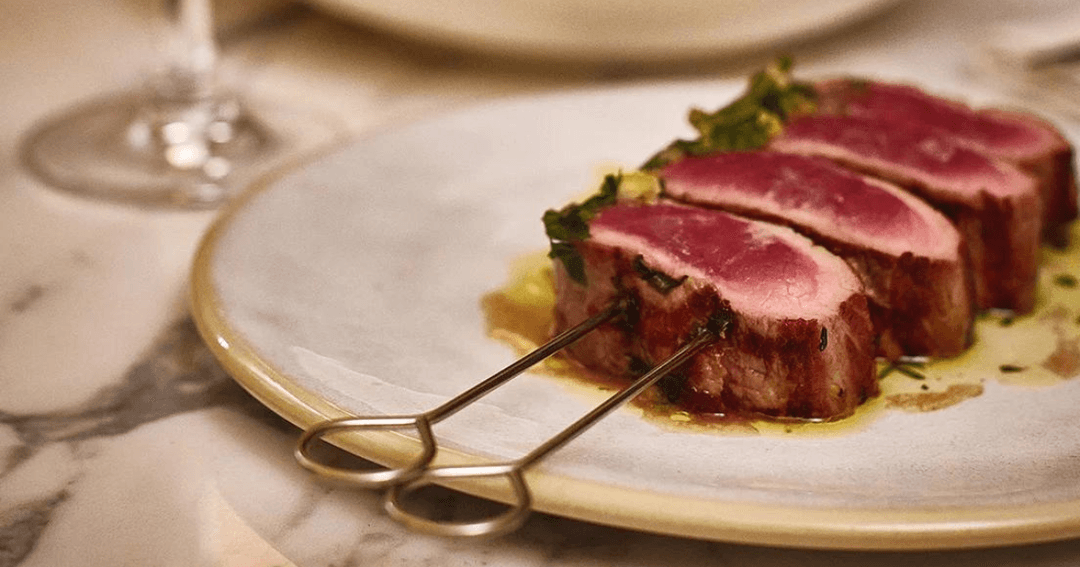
(123, 442)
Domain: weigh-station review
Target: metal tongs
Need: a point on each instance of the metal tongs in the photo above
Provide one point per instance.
(401, 481)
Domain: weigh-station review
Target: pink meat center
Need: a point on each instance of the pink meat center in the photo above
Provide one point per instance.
(788, 182)
(739, 257)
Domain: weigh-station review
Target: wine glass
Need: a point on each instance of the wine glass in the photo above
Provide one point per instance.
(180, 141)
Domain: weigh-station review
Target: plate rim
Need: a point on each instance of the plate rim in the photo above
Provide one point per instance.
(651, 53)
(870, 529)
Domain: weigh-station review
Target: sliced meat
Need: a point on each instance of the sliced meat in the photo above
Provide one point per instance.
(1019, 138)
(801, 343)
(996, 206)
(908, 255)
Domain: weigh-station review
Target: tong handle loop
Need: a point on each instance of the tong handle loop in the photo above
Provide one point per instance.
(519, 509)
(501, 523)
(406, 479)
(378, 478)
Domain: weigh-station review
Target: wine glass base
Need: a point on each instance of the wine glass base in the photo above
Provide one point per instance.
(122, 150)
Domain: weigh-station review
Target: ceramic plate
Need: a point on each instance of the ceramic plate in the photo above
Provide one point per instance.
(353, 285)
(609, 30)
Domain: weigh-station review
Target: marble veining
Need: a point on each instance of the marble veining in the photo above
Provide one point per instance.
(178, 375)
(27, 298)
(163, 410)
(21, 528)
(122, 442)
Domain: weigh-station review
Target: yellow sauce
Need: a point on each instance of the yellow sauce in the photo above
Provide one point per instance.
(1036, 350)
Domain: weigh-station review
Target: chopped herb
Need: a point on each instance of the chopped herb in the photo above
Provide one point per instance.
(1006, 321)
(571, 224)
(824, 342)
(1065, 280)
(1010, 368)
(631, 314)
(672, 385)
(674, 152)
(655, 278)
(571, 259)
(720, 321)
(749, 122)
(638, 367)
(906, 370)
(924, 387)
(640, 187)
(905, 365)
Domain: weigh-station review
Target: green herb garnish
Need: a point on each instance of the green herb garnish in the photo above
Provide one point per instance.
(637, 367)
(905, 368)
(656, 279)
(1065, 280)
(910, 372)
(672, 385)
(749, 122)
(571, 224)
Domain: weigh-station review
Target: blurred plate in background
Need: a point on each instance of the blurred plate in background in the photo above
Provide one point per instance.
(611, 30)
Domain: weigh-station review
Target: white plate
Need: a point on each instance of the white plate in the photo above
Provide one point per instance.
(352, 285)
(611, 30)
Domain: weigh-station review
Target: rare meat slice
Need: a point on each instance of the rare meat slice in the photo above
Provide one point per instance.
(1016, 137)
(908, 255)
(995, 206)
(801, 342)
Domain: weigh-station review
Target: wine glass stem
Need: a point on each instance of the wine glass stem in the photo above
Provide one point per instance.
(182, 139)
(191, 52)
(185, 119)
